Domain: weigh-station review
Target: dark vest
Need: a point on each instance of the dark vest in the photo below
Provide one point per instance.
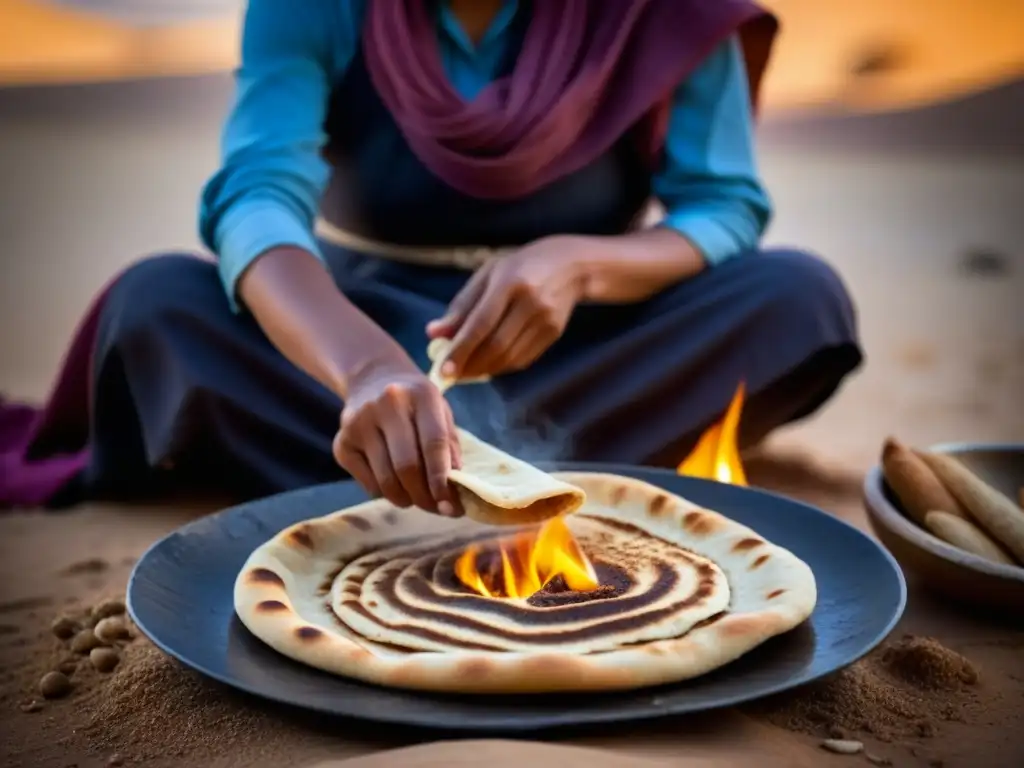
(380, 190)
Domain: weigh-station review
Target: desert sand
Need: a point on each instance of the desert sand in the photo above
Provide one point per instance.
(946, 689)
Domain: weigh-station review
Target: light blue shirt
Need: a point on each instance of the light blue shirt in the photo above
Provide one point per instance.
(267, 191)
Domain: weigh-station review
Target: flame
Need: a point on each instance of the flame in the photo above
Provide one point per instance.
(717, 454)
(520, 565)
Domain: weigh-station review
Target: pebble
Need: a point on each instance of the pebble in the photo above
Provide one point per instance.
(104, 659)
(68, 667)
(84, 641)
(843, 746)
(877, 759)
(64, 627)
(54, 685)
(32, 706)
(111, 629)
(107, 609)
(115, 761)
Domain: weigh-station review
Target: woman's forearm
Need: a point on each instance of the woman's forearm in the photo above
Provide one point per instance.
(633, 267)
(300, 309)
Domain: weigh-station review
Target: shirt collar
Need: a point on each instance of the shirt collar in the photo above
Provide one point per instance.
(451, 27)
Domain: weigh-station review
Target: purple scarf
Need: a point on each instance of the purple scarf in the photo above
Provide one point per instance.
(43, 449)
(589, 72)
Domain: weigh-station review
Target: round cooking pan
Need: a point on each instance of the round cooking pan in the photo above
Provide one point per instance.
(181, 596)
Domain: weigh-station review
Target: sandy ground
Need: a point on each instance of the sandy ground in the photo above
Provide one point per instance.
(945, 362)
(152, 712)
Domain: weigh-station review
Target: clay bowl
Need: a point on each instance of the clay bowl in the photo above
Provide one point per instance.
(946, 569)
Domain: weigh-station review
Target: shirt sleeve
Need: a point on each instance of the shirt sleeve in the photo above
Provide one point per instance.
(267, 190)
(709, 183)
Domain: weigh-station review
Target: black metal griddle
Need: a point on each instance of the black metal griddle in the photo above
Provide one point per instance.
(180, 595)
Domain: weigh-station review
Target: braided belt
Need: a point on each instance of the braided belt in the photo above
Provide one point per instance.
(468, 258)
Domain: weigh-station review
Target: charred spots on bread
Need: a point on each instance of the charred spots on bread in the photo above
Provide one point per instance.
(391, 517)
(746, 544)
(759, 562)
(709, 620)
(659, 505)
(265, 576)
(618, 495)
(697, 523)
(775, 593)
(308, 634)
(475, 669)
(557, 592)
(271, 606)
(328, 582)
(301, 536)
(359, 523)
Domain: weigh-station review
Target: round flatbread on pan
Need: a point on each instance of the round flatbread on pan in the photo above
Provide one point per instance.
(371, 593)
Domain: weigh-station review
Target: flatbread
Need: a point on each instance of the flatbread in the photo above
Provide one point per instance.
(498, 489)
(437, 353)
(370, 593)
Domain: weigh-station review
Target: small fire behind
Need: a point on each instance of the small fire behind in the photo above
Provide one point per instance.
(717, 454)
(519, 566)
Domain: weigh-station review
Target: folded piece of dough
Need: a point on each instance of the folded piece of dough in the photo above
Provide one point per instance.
(499, 489)
(494, 487)
(437, 352)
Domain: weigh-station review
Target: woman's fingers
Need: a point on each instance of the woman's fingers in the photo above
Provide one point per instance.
(397, 418)
(354, 462)
(461, 305)
(398, 439)
(480, 323)
(494, 355)
(453, 439)
(375, 449)
(432, 428)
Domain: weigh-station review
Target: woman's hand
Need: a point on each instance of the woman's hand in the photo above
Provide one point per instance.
(513, 309)
(397, 437)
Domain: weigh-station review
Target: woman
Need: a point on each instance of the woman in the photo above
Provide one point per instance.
(481, 169)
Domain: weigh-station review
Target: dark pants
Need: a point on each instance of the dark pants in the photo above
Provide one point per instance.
(186, 392)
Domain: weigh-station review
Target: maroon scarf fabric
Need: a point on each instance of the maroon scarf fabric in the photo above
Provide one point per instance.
(588, 72)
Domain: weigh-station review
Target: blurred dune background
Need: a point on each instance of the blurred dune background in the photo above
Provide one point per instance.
(867, 55)
(893, 143)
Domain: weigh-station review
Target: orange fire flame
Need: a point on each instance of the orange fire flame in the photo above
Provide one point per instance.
(520, 565)
(717, 454)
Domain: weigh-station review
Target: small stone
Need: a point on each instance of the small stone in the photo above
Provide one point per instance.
(115, 761)
(877, 759)
(110, 629)
(32, 706)
(68, 667)
(64, 627)
(835, 732)
(54, 685)
(84, 642)
(104, 659)
(108, 608)
(925, 729)
(843, 746)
